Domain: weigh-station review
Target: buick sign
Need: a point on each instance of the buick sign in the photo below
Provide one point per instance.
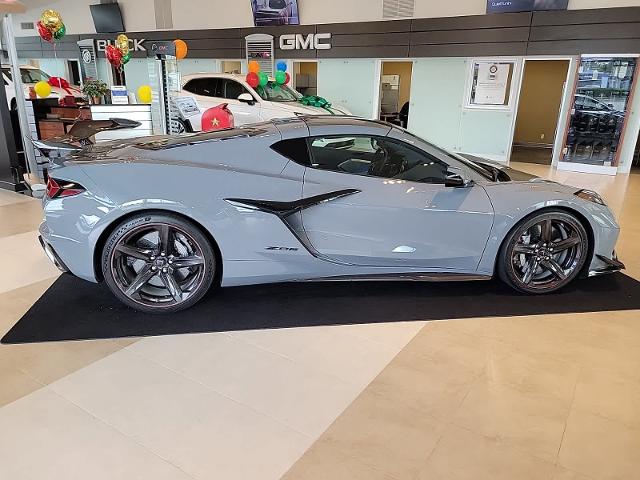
(134, 44)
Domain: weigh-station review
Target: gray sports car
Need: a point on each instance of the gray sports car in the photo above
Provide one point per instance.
(163, 219)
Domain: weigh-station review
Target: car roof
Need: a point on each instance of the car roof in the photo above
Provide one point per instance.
(287, 127)
(318, 125)
(233, 76)
(28, 67)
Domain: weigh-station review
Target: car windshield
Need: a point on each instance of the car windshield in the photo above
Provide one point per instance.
(29, 75)
(273, 92)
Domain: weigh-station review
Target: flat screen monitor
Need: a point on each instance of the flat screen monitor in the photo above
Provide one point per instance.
(107, 18)
(502, 6)
(275, 12)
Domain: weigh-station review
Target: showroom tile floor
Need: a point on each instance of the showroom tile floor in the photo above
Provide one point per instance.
(545, 397)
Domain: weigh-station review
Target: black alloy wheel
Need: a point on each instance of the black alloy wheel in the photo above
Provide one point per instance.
(158, 263)
(544, 252)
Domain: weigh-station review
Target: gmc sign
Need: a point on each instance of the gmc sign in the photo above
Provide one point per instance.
(299, 41)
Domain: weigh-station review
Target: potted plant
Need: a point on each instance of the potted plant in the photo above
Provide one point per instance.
(94, 90)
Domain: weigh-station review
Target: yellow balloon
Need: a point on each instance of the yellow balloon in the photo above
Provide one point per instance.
(145, 95)
(43, 89)
(122, 43)
(51, 19)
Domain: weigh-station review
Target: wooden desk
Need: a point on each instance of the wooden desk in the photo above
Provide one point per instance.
(54, 127)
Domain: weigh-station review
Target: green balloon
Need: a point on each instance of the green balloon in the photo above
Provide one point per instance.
(125, 58)
(281, 77)
(61, 32)
(264, 78)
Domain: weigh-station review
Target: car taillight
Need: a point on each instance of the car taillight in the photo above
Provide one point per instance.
(62, 188)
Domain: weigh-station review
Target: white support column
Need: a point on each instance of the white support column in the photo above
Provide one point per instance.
(632, 130)
(10, 45)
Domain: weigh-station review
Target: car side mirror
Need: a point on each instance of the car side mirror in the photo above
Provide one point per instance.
(455, 180)
(247, 98)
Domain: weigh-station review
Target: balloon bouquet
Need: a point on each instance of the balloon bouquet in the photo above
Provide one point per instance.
(118, 53)
(255, 78)
(50, 28)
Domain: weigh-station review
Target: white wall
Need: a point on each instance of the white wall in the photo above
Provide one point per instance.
(199, 14)
(333, 11)
(352, 83)
(54, 67)
(438, 110)
(139, 15)
(137, 73)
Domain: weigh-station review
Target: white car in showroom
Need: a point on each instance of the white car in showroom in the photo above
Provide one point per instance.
(30, 76)
(247, 104)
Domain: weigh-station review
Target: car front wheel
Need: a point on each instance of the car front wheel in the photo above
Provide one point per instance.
(158, 263)
(544, 252)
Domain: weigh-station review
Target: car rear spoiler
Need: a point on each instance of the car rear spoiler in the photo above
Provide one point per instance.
(80, 134)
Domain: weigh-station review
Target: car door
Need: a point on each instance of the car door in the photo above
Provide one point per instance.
(402, 214)
(206, 91)
(243, 113)
(211, 91)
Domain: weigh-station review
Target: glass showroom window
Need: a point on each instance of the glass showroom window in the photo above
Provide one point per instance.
(599, 110)
(491, 84)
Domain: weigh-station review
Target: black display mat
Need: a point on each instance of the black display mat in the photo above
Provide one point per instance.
(72, 309)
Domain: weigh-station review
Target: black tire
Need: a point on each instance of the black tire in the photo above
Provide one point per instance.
(544, 252)
(158, 263)
(179, 126)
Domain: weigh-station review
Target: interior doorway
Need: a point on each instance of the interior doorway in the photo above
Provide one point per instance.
(231, 66)
(73, 67)
(538, 113)
(305, 77)
(395, 92)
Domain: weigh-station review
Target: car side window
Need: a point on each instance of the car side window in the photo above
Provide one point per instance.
(233, 89)
(207, 87)
(376, 157)
(585, 103)
(294, 149)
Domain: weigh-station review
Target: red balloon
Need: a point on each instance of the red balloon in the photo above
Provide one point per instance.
(44, 32)
(114, 55)
(287, 78)
(253, 80)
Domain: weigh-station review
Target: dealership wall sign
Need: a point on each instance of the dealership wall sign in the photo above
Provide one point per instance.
(86, 55)
(502, 6)
(299, 41)
(134, 44)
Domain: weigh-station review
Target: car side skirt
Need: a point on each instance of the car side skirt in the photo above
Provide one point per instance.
(406, 277)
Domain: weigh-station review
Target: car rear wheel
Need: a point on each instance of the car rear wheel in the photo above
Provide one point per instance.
(158, 263)
(544, 252)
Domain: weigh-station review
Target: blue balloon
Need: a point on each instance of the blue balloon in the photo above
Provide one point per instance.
(282, 66)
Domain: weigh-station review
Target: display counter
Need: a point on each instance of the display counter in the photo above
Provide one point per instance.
(48, 119)
(60, 119)
(53, 120)
(140, 113)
